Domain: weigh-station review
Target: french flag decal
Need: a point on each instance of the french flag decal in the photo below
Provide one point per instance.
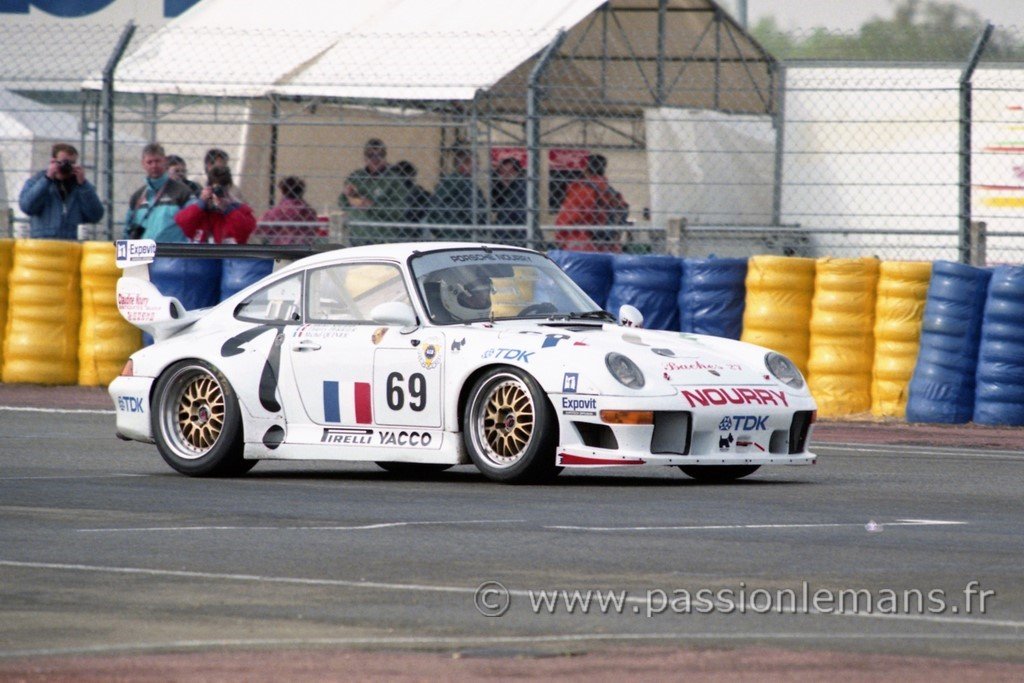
(347, 403)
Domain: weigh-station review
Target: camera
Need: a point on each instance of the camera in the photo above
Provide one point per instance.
(66, 166)
(218, 190)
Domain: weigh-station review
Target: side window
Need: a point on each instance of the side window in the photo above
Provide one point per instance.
(277, 302)
(349, 292)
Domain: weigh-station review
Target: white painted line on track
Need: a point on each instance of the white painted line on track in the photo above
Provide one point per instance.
(465, 590)
(394, 525)
(461, 641)
(293, 580)
(898, 450)
(357, 527)
(73, 476)
(84, 411)
(720, 527)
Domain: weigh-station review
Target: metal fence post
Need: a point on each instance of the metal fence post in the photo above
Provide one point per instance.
(965, 141)
(779, 123)
(533, 96)
(475, 210)
(275, 115)
(108, 123)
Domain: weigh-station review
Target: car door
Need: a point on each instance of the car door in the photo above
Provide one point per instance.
(353, 374)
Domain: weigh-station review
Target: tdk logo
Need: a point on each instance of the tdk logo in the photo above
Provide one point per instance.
(570, 382)
(130, 404)
(743, 423)
(509, 354)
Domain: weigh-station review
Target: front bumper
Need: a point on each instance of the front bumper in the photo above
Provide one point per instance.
(131, 404)
(705, 435)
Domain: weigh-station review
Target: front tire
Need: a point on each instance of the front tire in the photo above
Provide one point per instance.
(509, 428)
(718, 474)
(196, 421)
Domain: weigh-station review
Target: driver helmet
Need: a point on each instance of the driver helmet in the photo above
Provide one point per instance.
(466, 293)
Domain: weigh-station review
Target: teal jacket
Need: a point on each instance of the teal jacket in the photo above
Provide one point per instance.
(157, 219)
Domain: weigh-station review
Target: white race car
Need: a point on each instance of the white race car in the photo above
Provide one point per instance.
(423, 356)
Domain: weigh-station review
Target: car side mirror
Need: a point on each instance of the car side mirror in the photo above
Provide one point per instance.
(394, 313)
(630, 316)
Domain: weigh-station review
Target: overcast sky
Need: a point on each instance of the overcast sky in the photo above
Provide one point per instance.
(850, 14)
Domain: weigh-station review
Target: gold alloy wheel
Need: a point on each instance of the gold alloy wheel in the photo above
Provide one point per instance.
(504, 418)
(193, 413)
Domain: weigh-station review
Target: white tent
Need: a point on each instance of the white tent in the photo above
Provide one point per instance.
(262, 46)
(448, 50)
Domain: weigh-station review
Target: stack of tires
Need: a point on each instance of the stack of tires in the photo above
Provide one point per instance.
(41, 340)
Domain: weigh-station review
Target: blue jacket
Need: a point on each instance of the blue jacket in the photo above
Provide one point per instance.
(158, 219)
(56, 218)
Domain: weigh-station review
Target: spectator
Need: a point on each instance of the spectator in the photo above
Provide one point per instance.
(457, 200)
(218, 215)
(291, 209)
(508, 199)
(59, 198)
(178, 170)
(418, 196)
(591, 201)
(152, 207)
(214, 157)
(375, 193)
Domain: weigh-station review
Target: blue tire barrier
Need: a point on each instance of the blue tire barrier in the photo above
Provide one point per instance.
(712, 295)
(942, 386)
(591, 271)
(999, 394)
(239, 273)
(651, 283)
(193, 282)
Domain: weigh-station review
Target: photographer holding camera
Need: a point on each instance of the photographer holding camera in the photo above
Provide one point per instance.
(218, 215)
(58, 199)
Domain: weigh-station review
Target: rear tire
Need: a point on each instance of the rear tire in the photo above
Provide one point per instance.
(509, 428)
(196, 422)
(718, 474)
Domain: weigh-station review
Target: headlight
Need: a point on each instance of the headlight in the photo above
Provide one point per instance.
(624, 370)
(783, 370)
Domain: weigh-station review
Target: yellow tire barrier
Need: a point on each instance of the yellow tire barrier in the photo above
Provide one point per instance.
(41, 341)
(842, 335)
(778, 305)
(6, 256)
(105, 338)
(899, 310)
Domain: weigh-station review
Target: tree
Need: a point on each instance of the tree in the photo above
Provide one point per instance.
(918, 30)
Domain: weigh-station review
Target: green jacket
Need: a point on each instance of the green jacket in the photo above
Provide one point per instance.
(388, 191)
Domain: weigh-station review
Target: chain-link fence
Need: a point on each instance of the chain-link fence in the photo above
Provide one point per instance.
(642, 128)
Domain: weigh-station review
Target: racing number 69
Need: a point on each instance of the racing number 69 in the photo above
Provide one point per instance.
(417, 387)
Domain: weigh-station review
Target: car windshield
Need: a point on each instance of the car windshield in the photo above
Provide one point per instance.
(471, 285)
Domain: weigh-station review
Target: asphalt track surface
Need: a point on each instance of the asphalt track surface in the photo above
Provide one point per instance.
(104, 551)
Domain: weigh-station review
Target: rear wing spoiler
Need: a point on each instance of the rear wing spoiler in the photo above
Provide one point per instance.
(142, 304)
